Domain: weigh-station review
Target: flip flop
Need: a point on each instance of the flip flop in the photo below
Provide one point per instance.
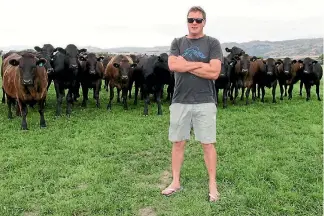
(173, 191)
(213, 198)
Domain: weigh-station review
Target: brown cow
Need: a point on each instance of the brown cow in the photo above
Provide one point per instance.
(118, 73)
(246, 72)
(25, 80)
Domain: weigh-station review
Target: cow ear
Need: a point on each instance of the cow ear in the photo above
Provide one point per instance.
(277, 63)
(38, 49)
(300, 61)
(14, 62)
(253, 58)
(116, 65)
(133, 65)
(82, 50)
(264, 62)
(41, 62)
(228, 50)
(60, 49)
(314, 62)
(294, 61)
(101, 58)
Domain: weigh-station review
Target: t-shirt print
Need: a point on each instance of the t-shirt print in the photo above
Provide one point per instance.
(193, 53)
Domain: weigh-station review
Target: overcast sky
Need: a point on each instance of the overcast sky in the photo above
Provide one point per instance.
(107, 23)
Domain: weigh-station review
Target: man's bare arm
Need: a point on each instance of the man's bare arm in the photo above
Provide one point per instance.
(179, 64)
(209, 70)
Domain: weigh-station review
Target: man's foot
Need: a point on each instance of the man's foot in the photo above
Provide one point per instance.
(213, 192)
(173, 188)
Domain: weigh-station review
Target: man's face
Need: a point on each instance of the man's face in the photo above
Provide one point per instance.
(195, 27)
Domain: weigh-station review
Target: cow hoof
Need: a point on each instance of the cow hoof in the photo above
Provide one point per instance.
(83, 105)
(43, 126)
(24, 128)
(319, 99)
(98, 105)
(159, 114)
(281, 98)
(3, 101)
(10, 117)
(274, 101)
(307, 99)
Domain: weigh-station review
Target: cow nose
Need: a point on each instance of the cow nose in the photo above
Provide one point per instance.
(306, 72)
(286, 72)
(124, 77)
(269, 73)
(27, 81)
(50, 70)
(222, 75)
(244, 70)
(92, 71)
(74, 66)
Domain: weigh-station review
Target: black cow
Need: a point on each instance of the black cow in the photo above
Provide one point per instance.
(66, 68)
(312, 73)
(155, 74)
(268, 78)
(224, 79)
(91, 75)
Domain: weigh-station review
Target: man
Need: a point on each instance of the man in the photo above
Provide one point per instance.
(196, 60)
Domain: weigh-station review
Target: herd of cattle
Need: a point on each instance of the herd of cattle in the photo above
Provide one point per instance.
(27, 75)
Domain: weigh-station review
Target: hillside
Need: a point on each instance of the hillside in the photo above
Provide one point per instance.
(293, 48)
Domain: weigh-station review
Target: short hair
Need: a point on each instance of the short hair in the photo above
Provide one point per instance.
(197, 8)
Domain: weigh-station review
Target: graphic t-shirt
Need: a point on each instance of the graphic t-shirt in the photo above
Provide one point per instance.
(189, 88)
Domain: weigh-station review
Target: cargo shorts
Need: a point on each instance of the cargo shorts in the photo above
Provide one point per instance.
(200, 117)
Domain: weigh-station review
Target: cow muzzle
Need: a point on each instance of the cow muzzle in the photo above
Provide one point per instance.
(73, 66)
(286, 72)
(245, 70)
(92, 72)
(222, 75)
(269, 73)
(28, 82)
(50, 70)
(306, 72)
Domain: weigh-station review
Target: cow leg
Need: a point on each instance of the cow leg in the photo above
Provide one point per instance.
(118, 95)
(291, 86)
(130, 86)
(158, 99)
(146, 96)
(254, 92)
(59, 98)
(217, 90)
(69, 102)
(225, 90)
(41, 105)
(263, 93)
(111, 97)
(231, 91)
(285, 90)
(10, 101)
(274, 87)
(3, 96)
(308, 88)
(96, 91)
(242, 95)
(136, 93)
(259, 91)
(247, 94)
(301, 88)
(124, 98)
(236, 93)
(281, 91)
(317, 90)
(24, 112)
(85, 91)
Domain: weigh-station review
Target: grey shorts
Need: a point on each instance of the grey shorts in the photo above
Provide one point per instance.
(202, 117)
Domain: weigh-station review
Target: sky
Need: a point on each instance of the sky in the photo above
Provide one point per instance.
(143, 23)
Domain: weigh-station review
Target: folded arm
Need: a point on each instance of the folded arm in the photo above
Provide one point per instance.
(209, 70)
(178, 64)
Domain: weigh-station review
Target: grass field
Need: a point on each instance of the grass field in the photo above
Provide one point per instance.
(116, 163)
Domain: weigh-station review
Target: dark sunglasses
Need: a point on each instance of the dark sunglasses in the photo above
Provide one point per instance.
(198, 20)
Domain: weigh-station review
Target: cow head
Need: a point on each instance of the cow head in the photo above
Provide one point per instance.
(124, 67)
(245, 64)
(235, 52)
(270, 66)
(162, 62)
(226, 68)
(71, 56)
(308, 64)
(27, 65)
(286, 65)
(91, 65)
(46, 52)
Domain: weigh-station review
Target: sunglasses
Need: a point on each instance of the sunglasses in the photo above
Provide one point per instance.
(198, 20)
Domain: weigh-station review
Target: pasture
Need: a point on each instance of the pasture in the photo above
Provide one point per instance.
(116, 163)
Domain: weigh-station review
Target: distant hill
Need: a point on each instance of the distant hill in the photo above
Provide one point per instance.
(297, 48)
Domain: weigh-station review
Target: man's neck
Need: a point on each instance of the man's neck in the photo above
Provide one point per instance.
(190, 36)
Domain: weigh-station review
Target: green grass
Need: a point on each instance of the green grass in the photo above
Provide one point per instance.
(116, 163)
